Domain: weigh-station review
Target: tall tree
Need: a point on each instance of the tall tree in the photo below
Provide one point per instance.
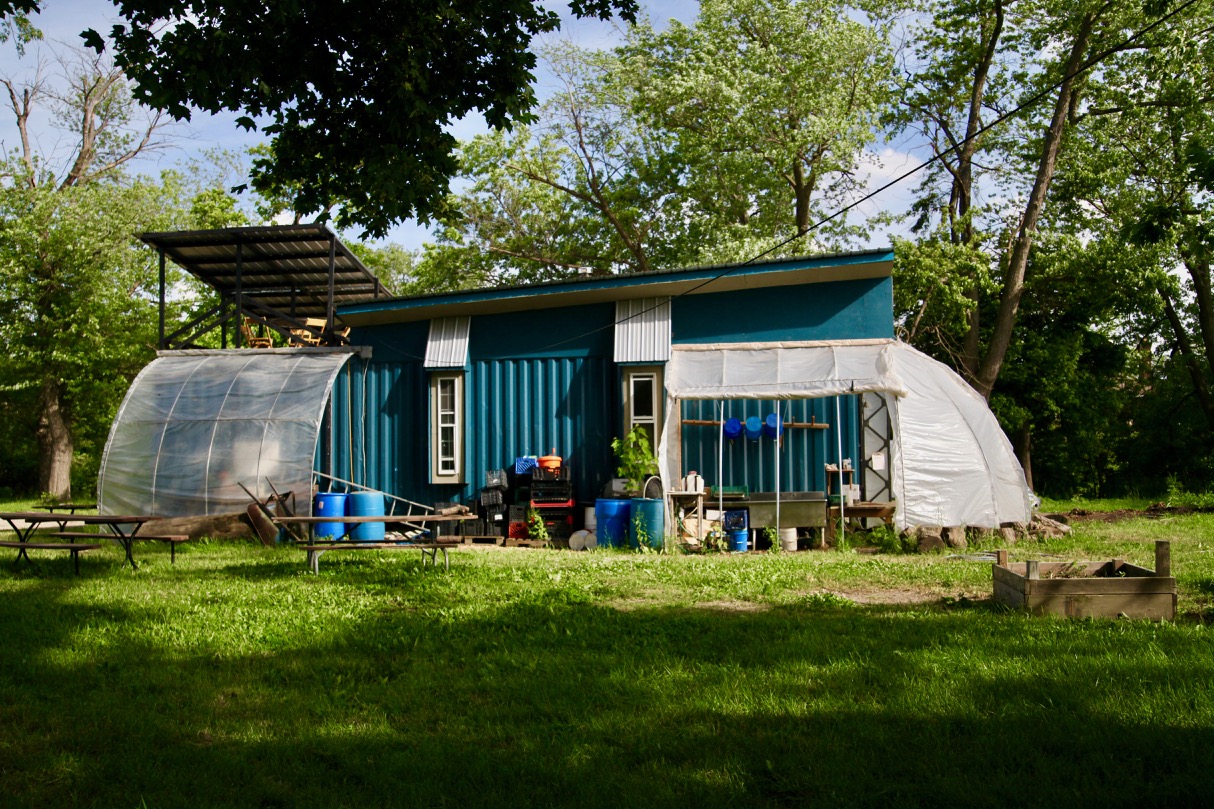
(975, 61)
(75, 298)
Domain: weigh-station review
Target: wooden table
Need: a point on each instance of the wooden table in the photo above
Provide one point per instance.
(315, 548)
(35, 519)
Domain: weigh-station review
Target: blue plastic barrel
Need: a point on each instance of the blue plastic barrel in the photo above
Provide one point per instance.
(648, 523)
(329, 504)
(739, 541)
(611, 518)
(754, 427)
(733, 428)
(365, 504)
(772, 426)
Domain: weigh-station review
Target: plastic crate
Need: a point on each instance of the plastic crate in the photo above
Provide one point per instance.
(560, 473)
(552, 505)
(525, 464)
(491, 497)
(517, 530)
(495, 479)
(737, 519)
(518, 513)
(551, 491)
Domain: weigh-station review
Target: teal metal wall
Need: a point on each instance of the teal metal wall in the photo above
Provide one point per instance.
(845, 310)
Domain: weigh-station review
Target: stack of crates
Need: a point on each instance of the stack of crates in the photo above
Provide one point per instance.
(553, 499)
(517, 526)
(493, 502)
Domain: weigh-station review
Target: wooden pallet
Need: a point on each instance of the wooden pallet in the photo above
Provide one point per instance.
(482, 539)
(511, 542)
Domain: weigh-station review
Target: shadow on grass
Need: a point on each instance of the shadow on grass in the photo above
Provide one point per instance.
(551, 699)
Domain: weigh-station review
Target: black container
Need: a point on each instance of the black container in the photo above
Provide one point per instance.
(736, 519)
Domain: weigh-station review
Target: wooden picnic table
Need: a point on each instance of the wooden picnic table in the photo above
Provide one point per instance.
(316, 548)
(33, 520)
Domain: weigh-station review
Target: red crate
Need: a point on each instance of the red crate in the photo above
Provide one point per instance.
(517, 530)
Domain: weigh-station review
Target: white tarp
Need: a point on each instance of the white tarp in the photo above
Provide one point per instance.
(951, 462)
(197, 424)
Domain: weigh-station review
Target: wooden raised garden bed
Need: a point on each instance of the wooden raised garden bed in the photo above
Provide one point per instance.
(1089, 589)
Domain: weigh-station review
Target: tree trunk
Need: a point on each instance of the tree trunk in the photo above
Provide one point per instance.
(1024, 450)
(1184, 347)
(54, 443)
(1017, 265)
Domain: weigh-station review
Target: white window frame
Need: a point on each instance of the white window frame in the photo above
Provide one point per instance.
(632, 373)
(447, 468)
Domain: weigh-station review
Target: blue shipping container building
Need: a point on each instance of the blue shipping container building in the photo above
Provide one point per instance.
(459, 384)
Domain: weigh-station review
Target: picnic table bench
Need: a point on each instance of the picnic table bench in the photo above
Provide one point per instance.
(315, 549)
(72, 547)
(172, 540)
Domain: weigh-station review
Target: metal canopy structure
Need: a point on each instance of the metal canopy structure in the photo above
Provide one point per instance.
(290, 278)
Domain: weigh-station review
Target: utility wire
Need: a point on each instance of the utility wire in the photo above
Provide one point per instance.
(1032, 101)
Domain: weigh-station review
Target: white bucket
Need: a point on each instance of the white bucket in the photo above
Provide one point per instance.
(591, 542)
(788, 539)
(577, 540)
(590, 521)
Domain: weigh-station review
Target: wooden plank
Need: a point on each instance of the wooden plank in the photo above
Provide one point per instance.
(1157, 606)
(1126, 586)
(51, 546)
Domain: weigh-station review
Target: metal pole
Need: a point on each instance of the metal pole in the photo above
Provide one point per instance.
(239, 295)
(162, 290)
(839, 443)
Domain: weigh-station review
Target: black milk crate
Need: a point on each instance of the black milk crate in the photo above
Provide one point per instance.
(736, 519)
(495, 515)
(495, 479)
(540, 474)
(551, 491)
(518, 513)
(492, 497)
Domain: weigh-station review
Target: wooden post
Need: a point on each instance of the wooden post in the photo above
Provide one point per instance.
(1163, 557)
(1001, 558)
(1030, 570)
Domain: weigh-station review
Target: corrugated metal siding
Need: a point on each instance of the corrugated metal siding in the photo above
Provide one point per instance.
(532, 407)
(447, 346)
(803, 455)
(642, 330)
(513, 408)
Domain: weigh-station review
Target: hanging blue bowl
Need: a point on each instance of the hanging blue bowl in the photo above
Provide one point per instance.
(754, 427)
(733, 428)
(772, 426)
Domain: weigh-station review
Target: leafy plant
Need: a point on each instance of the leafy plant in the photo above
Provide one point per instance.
(535, 526)
(772, 537)
(635, 456)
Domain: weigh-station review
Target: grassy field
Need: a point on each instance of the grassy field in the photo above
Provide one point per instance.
(546, 678)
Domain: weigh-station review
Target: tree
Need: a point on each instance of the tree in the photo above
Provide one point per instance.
(73, 287)
(1001, 54)
(626, 172)
(358, 94)
(771, 104)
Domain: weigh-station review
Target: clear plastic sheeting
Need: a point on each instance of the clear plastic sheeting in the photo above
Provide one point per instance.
(195, 425)
(951, 462)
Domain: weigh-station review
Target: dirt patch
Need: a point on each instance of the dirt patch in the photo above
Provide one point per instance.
(1154, 511)
(869, 595)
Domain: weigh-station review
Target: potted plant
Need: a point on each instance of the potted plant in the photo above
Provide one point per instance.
(636, 459)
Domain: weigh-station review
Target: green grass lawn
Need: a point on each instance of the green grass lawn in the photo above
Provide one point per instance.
(549, 678)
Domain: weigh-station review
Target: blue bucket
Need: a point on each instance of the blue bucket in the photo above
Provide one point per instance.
(611, 518)
(754, 427)
(365, 504)
(772, 426)
(739, 541)
(329, 504)
(648, 523)
(733, 428)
